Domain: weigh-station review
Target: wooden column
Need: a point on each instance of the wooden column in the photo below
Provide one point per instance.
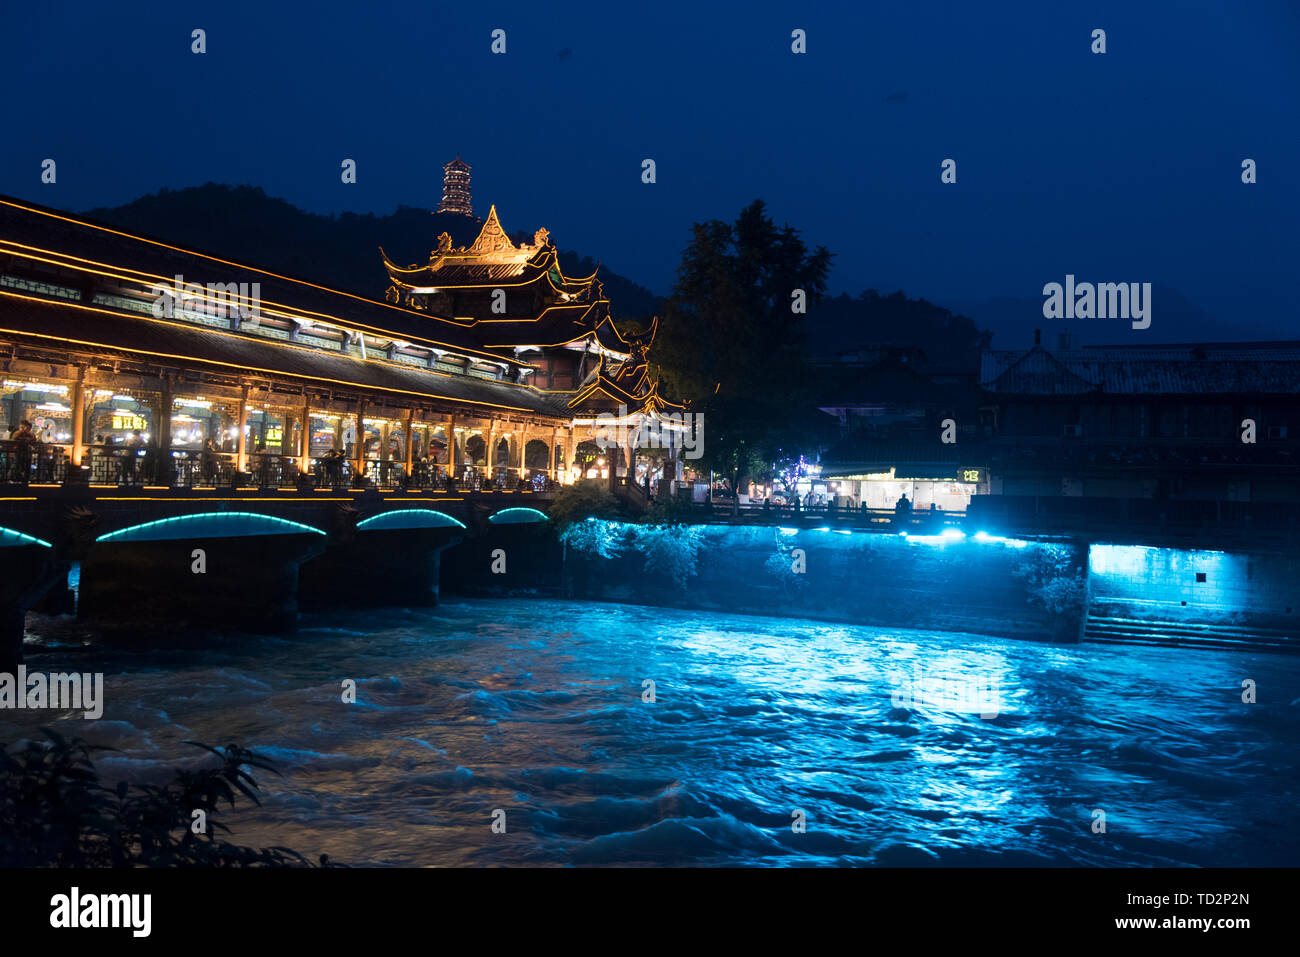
(359, 445)
(241, 439)
(555, 443)
(165, 417)
(79, 416)
(491, 443)
(408, 434)
(304, 440)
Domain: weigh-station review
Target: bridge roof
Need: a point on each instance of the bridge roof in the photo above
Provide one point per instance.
(27, 229)
(78, 328)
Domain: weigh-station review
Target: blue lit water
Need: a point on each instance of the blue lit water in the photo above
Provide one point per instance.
(535, 707)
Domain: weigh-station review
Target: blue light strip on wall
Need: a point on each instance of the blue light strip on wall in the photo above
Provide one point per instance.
(12, 538)
(255, 525)
(409, 518)
(518, 516)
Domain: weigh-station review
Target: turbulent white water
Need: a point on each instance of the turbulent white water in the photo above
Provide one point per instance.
(536, 708)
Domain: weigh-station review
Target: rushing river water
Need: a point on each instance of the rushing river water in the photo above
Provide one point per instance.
(537, 708)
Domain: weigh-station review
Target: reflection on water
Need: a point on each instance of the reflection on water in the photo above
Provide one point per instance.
(536, 707)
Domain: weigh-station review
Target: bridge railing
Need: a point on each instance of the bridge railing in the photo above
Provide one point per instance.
(271, 471)
(330, 473)
(384, 475)
(198, 469)
(121, 465)
(882, 519)
(26, 463)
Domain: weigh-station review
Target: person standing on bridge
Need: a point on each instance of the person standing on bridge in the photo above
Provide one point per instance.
(133, 449)
(26, 441)
(902, 510)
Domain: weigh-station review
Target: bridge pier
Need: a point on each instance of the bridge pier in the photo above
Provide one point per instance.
(27, 571)
(387, 566)
(208, 571)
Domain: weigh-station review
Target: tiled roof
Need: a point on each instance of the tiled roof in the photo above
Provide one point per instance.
(1213, 368)
(28, 229)
(85, 330)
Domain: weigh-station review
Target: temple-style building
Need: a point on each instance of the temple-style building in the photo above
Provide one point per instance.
(1196, 432)
(135, 360)
(517, 298)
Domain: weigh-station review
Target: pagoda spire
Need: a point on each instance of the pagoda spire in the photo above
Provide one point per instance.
(455, 189)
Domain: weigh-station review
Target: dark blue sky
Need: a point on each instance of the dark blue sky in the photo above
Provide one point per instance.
(1121, 167)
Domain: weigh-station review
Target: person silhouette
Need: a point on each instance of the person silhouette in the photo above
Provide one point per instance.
(902, 510)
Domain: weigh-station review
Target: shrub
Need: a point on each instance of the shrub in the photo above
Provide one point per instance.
(596, 536)
(671, 510)
(780, 565)
(1054, 578)
(54, 812)
(587, 498)
(672, 549)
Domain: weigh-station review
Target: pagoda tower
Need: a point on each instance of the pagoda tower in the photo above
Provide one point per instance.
(455, 189)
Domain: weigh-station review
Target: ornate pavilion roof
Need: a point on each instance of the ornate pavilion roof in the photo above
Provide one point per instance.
(577, 315)
(491, 260)
(627, 381)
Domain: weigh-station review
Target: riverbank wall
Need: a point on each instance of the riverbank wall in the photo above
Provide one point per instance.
(979, 584)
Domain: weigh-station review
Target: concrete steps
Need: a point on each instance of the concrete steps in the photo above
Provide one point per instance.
(1136, 631)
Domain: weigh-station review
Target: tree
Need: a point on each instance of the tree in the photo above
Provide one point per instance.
(732, 340)
(586, 498)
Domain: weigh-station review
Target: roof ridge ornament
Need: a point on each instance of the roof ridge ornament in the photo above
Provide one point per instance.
(491, 238)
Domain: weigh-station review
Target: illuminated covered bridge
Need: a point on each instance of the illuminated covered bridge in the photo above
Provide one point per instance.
(141, 366)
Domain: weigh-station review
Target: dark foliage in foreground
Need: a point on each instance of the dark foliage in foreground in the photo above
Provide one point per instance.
(54, 812)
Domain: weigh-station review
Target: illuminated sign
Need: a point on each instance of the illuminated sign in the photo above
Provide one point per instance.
(970, 475)
(133, 422)
(35, 387)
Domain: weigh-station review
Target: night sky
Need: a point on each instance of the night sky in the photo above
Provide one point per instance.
(1117, 167)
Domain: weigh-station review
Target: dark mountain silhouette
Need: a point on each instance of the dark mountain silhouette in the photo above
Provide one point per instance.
(1173, 319)
(842, 323)
(341, 251)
